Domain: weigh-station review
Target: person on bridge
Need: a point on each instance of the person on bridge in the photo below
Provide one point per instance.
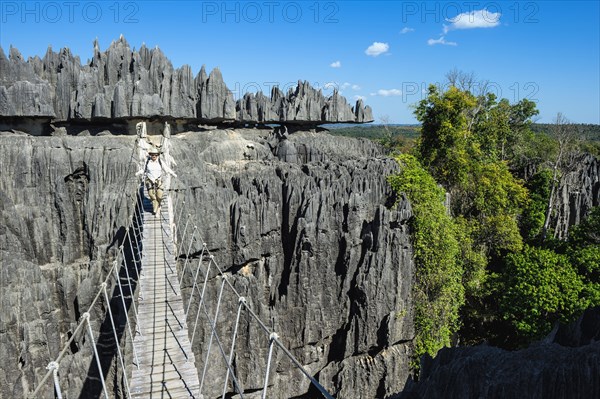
(153, 178)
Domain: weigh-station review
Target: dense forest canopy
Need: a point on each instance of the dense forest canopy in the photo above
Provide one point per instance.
(404, 136)
(482, 178)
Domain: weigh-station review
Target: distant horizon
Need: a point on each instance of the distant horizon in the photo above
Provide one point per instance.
(384, 52)
(367, 124)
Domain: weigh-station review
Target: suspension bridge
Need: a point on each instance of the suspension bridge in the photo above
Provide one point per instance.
(149, 325)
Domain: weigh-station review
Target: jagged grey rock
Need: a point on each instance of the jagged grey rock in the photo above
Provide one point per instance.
(303, 105)
(312, 241)
(122, 83)
(566, 365)
(22, 92)
(59, 216)
(578, 192)
(214, 97)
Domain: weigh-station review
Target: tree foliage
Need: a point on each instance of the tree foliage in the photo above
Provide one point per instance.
(534, 213)
(482, 262)
(438, 291)
(463, 142)
(584, 253)
(541, 287)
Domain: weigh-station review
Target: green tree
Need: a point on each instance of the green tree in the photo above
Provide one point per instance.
(462, 143)
(438, 290)
(467, 143)
(586, 260)
(540, 287)
(584, 253)
(444, 141)
(534, 214)
(588, 231)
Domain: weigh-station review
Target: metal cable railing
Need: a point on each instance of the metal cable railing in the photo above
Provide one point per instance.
(112, 280)
(209, 269)
(205, 268)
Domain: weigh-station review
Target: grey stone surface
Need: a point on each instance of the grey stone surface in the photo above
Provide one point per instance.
(303, 226)
(59, 214)
(312, 244)
(566, 365)
(578, 192)
(303, 105)
(123, 83)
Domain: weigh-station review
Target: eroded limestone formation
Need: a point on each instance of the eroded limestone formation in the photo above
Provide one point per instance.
(311, 239)
(125, 83)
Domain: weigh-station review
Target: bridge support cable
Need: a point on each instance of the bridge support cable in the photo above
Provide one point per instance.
(212, 333)
(178, 219)
(178, 246)
(84, 325)
(114, 329)
(192, 240)
(201, 302)
(137, 361)
(53, 366)
(273, 338)
(242, 303)
(136, 263)
(135, 312)
(195, 279)
(86, 318)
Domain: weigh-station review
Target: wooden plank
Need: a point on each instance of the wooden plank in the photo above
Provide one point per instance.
(168, 393)
(166, 361)
(181, 339)
(147, 363)
(161, 323)
(148, 359)
(168, 343)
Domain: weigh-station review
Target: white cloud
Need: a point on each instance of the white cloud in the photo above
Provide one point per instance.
(441, 40)
(357, 97)
(330, 86)
(377, 48)
(406, 29)
(474, 19)
(336, 64)
(387, 93)
(346, 85)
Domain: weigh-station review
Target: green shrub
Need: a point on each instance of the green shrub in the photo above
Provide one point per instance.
(438, 290)
(540, 287)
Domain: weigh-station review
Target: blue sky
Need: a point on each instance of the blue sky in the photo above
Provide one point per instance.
(386, 52)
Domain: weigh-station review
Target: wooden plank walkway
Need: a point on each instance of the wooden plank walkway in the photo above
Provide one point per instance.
(167, 365)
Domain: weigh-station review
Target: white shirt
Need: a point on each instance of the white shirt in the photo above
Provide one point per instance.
(154, 169)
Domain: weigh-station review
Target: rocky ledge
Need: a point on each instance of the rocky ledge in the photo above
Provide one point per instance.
(124, 83)
(566, 365)
(304, 225)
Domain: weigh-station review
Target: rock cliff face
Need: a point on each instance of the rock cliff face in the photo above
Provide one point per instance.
(312, 241)
(578, 192)
(60, 211)
(121, 83)
(302, 223)
(566, 365)
(304, 227)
